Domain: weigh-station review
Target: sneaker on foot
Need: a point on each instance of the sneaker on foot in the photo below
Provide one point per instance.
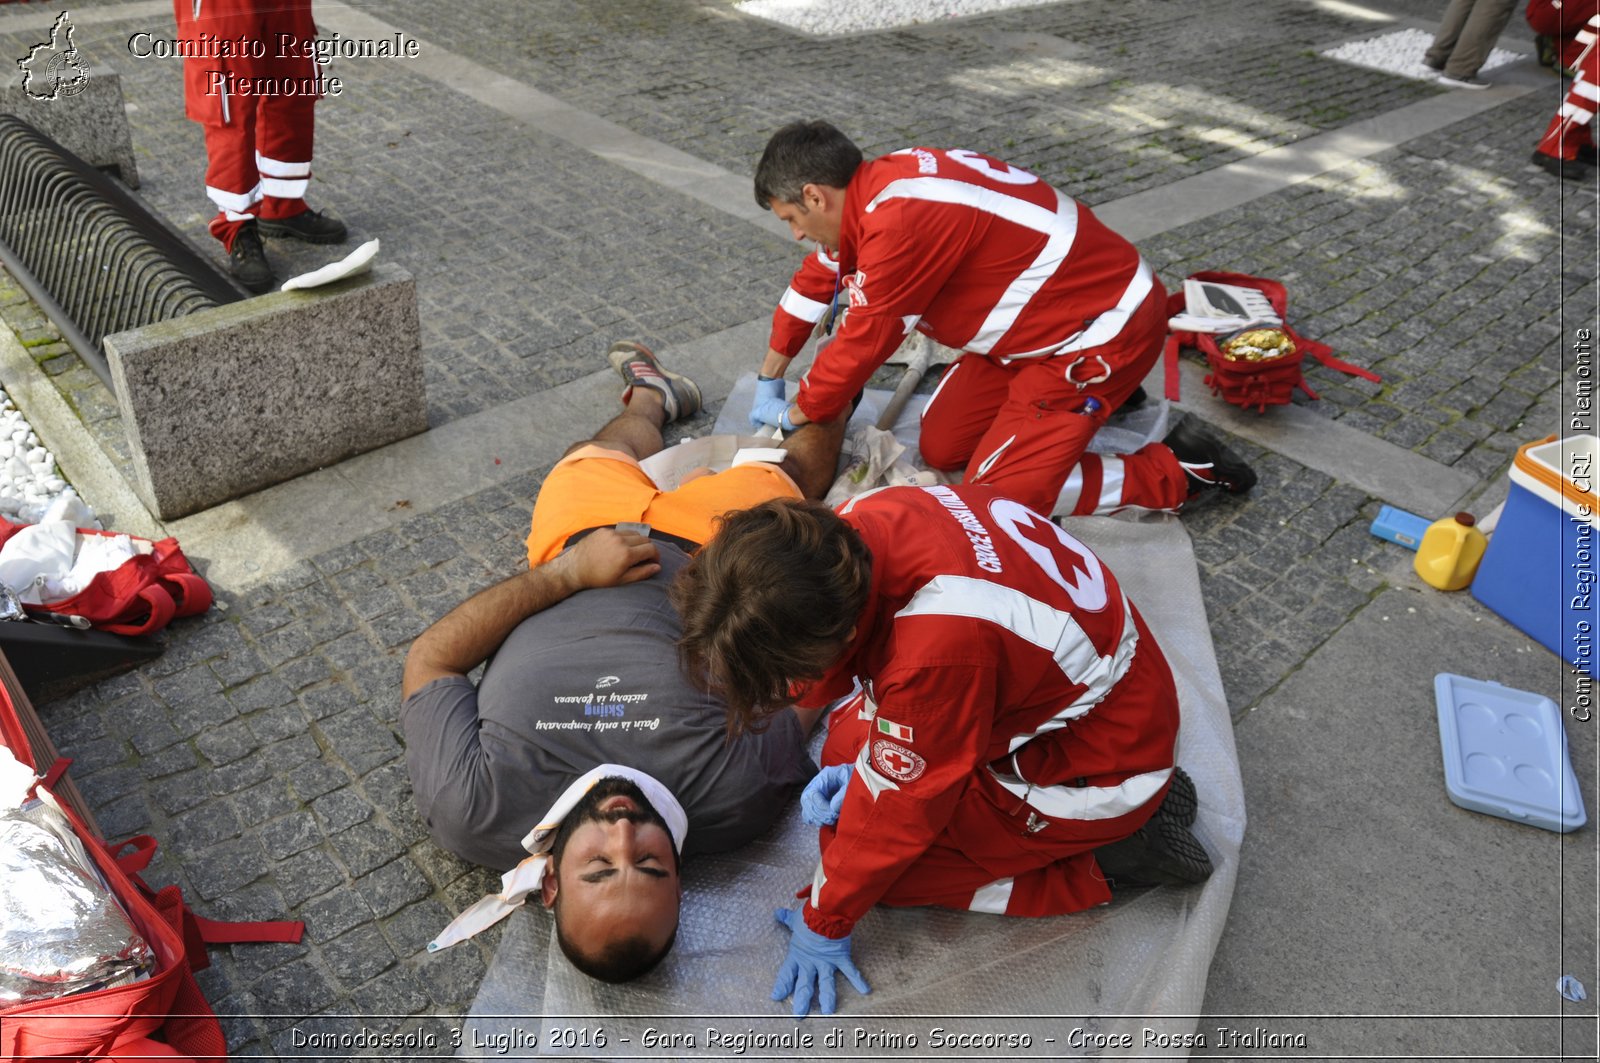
(1207, 462)
(1566, 169)
(247, 261)
(640, 367)
(1163, 852)
(312, 226)
(1468, 81)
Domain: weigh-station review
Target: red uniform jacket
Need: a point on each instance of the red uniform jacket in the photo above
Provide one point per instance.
(978, 255)
(988, 632)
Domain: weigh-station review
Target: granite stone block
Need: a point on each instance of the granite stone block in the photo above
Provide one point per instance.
(232, 399)
(92, 123)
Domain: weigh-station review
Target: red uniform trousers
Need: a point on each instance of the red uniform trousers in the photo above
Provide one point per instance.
(1009, 856)
(1025, 427)
(1569, 129)
(258, 146)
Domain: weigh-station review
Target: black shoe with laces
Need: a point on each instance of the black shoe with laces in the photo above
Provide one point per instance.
(1207, 462)
(312, 226)
(247, 261)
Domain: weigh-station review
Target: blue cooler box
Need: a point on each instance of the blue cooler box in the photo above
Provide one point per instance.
(1539, 570)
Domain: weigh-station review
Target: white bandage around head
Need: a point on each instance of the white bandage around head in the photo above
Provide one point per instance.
(528, 876)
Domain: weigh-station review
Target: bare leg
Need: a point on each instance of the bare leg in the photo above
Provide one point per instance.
(813, 459)
(636, 431)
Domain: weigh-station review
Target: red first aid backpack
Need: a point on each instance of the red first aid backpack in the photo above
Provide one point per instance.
(1253, 385)
(140, 596)
(163, 1016)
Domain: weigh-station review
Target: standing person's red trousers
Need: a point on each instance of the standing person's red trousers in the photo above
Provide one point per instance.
(258, 147)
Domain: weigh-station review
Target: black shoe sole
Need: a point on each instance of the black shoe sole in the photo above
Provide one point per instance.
(1163, 852)
(283, 232)
(1184, 860)
(1182, 803)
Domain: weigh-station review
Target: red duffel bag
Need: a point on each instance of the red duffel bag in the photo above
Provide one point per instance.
(140, 596)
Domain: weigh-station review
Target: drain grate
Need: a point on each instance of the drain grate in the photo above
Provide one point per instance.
(93, 257)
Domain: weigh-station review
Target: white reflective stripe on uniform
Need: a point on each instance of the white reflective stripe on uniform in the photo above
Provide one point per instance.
(1028, 618)
(1586, 90)
(827, 260)
(988, 463)
(948, 373)
(275, 186)
(1103, 674)
(876, 783)
(269, 167)
(1104, 328)
(848, 506)
(1113, 478)
(796, 305)
(1027, 283)
(231, 203)
(1108, 325)
(1573, 111)
(1058, 226)
(1087, 802)
(818, 880)
(992, 898)
(1071, 491)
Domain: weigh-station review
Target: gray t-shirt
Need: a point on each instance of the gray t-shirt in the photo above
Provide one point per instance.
(593, 679)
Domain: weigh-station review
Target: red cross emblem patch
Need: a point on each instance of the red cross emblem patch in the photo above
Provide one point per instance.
(896, 761)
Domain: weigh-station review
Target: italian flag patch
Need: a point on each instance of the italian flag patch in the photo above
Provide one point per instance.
(894, 730)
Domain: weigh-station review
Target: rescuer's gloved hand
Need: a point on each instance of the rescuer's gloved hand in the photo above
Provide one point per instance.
(823, 796)
(809, 967)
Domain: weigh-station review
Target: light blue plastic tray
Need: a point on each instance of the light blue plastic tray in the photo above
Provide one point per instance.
(1505, 753)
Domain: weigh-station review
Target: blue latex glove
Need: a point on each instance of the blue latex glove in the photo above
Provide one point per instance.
(812, 962)
(823, 796)
(766, 392)
(773, 411)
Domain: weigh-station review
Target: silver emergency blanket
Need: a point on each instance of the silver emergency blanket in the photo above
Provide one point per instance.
(1124, 979)
(61, 930)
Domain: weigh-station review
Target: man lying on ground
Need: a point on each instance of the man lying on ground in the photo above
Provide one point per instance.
(1009, 744)
(585, 673)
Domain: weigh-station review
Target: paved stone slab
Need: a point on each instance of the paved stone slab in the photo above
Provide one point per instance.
(1157, 210)
(225, 401)
(1363, 890)
(1398, 476)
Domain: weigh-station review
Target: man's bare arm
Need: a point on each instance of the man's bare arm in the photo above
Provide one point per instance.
(466, 636)
(775, 364)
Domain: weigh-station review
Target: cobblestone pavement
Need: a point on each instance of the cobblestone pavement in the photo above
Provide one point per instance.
(261, 749)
